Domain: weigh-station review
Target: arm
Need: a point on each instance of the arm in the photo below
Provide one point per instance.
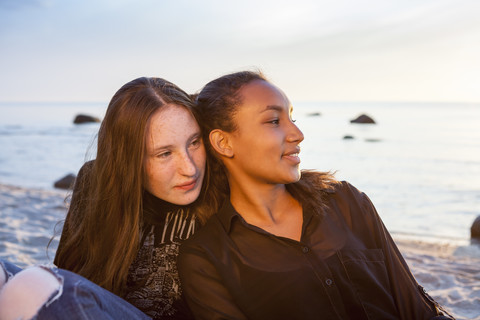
(202, 287)
(411, 299)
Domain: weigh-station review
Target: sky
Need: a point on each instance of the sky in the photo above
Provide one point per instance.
(314, 50)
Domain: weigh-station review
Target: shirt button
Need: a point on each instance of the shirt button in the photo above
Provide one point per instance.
(329, 282)
(305, 249)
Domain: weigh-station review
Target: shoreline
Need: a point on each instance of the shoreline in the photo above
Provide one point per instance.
(449, 270)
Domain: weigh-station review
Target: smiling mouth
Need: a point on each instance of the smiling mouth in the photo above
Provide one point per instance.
(293, 157)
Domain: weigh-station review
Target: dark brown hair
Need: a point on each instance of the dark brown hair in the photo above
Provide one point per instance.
(100, 238)
(216, 106)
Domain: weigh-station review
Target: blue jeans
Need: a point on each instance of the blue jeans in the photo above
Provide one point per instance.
(79, 298)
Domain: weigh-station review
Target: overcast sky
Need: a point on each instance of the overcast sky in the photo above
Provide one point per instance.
(322, 50)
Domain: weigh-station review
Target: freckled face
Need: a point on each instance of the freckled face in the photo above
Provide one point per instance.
(266, 142)
(175, 155)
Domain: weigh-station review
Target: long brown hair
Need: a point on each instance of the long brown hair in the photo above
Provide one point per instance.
(100, 238)
(216, 105)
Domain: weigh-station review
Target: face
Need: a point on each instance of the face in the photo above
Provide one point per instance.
(175, 156)
(266, 142)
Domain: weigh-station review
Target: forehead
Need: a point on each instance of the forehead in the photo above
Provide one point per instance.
(261, 94)
(171, 112)
(171, 119)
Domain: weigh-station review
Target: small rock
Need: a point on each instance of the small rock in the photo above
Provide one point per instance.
(372, 140)
(475, 229)
(65, 182)
(83, 118)
(314, 114)
(348, 137)
(363, 118)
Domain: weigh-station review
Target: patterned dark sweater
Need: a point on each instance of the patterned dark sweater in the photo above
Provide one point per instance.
(153, 285)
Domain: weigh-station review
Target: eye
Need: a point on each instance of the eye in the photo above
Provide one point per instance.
(293, 120)
(197, 142)
(275, 121)
(164, 155)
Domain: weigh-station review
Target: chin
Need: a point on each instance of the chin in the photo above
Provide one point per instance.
(295, 176)
(186, 199)
(290, 179)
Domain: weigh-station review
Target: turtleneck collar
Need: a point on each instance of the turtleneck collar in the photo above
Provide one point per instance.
(155, 209)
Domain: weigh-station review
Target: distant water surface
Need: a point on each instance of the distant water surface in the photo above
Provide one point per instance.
(40, 144)
(420, 164)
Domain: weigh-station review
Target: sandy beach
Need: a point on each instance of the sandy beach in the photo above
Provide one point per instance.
(449, 272)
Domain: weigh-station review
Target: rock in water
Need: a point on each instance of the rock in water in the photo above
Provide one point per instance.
(363, 118)
(65, 182)
(83, 118)
(475, 229)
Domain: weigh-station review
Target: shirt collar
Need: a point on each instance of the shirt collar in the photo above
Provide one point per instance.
(226, 214)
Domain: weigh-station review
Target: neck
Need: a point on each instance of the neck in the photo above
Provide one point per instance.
(267, 206)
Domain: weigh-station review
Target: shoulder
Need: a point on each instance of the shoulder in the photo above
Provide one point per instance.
(208, 237)
(351, 203)
(346, 192)
(86, 167)
(205, 249)
(83, 174)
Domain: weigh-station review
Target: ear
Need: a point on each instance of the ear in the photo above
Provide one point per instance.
(220, 142)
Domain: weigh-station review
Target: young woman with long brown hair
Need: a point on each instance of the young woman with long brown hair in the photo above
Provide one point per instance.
(286, 244)
(131, 208)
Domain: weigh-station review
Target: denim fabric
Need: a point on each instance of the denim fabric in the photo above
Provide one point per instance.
(9, 268)
(79, 298)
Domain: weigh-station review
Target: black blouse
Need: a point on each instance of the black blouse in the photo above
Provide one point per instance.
(346, 266)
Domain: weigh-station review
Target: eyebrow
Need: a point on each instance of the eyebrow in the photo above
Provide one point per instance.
(277, 108)
(273, 107)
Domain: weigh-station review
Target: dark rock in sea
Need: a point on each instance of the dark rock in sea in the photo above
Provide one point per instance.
(475, 229)
(314, 114)
(83, 118)
(363, 118)
(65, 182)
(348, 137)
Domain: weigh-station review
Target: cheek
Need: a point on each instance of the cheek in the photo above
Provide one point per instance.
(200, 158)
(158, 176)
(268, 145)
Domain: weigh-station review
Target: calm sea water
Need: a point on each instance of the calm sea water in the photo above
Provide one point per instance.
(420, 164)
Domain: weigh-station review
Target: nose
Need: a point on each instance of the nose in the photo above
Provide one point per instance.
(186, 165)
(295, 134)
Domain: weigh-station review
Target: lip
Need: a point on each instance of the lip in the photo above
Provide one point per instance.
(293, 156)
(189, 185)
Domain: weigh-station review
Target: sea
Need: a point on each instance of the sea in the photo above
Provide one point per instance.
(419, 163)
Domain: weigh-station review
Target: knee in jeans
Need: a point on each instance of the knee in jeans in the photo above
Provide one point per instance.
(24, 294)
